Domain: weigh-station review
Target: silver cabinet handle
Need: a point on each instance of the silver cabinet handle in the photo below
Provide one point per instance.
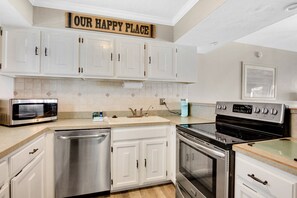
(136, 163)
(257, 179)
(34, 151)
(119, 57)
(203, 148)
(80, 137)
(150, 60)
(45, 51)
(144, 162)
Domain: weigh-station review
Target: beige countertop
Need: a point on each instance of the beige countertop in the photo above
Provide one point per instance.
(278, 153)
(12, 138)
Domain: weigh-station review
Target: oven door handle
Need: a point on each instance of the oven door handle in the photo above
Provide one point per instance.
(203, 148)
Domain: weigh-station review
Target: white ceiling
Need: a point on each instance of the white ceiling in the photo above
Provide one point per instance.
(166, 12)
(236, 19)
(281, 35)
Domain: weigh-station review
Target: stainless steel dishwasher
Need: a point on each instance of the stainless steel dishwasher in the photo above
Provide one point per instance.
(82, 162)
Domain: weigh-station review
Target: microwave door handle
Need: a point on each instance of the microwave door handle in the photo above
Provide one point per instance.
(81, 137)
(203, 148)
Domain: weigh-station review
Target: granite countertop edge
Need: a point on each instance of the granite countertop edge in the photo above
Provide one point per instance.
(266, 157)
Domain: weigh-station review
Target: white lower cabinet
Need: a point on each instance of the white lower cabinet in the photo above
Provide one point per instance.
(139, 156)
(30, 182)
(4, 191)
(154, 154)
(125, 164)
(256, 179)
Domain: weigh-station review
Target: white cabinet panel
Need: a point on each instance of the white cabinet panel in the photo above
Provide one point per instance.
(3, 172)
(130, 58)
(30, 182)
(4, 191)
(125, 164)
(21, 51)
(60, 52)
(187, 64)
(154, 154)
(96, 56)
(161, 61)
(244, 191)
(264, 179)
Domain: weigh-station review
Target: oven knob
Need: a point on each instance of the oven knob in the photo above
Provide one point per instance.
(224, 107)
(257, 110)
(265, 111)
(219, 107)
(274, 111)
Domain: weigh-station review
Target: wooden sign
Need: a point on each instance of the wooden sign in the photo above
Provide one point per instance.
(86, 22)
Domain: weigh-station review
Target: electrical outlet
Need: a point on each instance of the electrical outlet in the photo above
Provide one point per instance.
(162, 101)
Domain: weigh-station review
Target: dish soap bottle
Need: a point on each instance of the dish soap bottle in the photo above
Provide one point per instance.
(184, 107)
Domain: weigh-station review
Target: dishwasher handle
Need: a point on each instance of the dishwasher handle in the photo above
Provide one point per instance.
(81, 137)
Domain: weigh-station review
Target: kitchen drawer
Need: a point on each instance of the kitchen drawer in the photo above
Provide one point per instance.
(264, 178)
(3, 172)
(25, 155)
(133, 133)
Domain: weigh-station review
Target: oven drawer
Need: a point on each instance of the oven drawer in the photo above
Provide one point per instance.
(263, 178)
(25, 155)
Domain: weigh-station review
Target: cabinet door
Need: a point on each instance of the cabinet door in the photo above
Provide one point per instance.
(187, 70)
(21, 51)
(125, 164)
(60, 53)
(30, 182)
(244, 191)
(96, 56)
(154, 159)
(130, 58)
(161, 61)
(4, 191)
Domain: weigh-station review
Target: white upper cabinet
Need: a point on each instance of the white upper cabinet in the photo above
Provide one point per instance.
(21, 51)
(130, 58)
(96, 56)
(60, 51)
(161, 61)
(187, 64)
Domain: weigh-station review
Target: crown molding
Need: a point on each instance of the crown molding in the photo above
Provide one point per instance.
(183, 11)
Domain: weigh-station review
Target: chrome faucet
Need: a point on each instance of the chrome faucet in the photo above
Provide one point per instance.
(134, 112)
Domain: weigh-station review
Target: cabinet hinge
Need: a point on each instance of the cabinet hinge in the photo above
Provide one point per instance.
(176, 75)
(111, 182)
(1, 31)
(78, 40)
(111, 56)
(82, 40)
(0, 65)
(166, 143)
(144, 46)
(176, 50)
(166, 173)
(111, 149)
(144, 73)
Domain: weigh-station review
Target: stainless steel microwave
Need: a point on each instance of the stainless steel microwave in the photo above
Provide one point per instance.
(27, 111)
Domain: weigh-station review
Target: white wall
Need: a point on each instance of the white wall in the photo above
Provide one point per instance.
(7, 87)
(219, 72)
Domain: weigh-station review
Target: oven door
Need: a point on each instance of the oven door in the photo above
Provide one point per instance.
(202, 169)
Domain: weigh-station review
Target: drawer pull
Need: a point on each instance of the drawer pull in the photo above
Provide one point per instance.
(257, 179)
(34, 151)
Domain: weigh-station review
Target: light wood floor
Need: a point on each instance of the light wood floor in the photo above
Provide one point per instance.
(161, 191)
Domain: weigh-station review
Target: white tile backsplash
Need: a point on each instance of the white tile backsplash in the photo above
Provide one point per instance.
(77, 95)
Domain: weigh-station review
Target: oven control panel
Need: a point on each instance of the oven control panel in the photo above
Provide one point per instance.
(270, 112)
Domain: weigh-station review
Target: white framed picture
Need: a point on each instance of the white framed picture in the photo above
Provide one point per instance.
(258, 82)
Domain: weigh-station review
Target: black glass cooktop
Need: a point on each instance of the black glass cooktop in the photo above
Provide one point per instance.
(222, 136)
